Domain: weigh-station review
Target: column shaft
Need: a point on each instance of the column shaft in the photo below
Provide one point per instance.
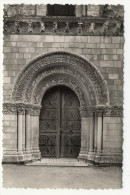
(20, 132)
(84, 133)
(99, 134)
(91, 141)
(27, 132)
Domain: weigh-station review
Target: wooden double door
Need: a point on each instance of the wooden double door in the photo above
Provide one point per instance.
(60, 124)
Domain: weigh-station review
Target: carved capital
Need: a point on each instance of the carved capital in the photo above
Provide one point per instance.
(35, 110)
(84, 113)
(21, 111)
(99, 111)
(28, 111)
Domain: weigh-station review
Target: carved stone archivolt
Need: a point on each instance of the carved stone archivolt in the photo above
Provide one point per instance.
(66, 69)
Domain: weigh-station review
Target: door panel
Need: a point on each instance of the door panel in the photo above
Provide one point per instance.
(60, 124)
(71, 124)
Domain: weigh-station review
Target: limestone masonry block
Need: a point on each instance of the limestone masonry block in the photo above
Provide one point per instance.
(111, 144)
(19, 55)
(95, 39)
(64, 45)
(55, 45)
(119, 51)
(117, 64)
(116, 39)
(77, 38)
(91, 45)
(27, 55)
(106, 64)
(32, 44)
(9, 43)
(112, 120)
(59, 38)
(47, 44)
(101, 45)
(69, 39)
(6, 80)
(106, 39)
(22, 44)
(74, 45)
(113, 76)
(41, 10)
(84, 39)
(87, 51)
(6, 49)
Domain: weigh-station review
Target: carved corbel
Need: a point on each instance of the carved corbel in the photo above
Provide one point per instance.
(42, 26)
(104, 28)
(116, 29)
(80, 27)
(92, 28)
(67, 27)
(17, 27)
(54, 26)
(30, 27)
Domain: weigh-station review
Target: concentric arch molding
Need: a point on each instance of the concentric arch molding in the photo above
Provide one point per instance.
(70, 62)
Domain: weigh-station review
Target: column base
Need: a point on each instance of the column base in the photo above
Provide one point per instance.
(21, 156)
(82, 156)
(90, 156)
(13, 157)
(27, 156)
(36, 155)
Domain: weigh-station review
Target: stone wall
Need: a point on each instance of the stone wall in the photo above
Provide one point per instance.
(105, 52)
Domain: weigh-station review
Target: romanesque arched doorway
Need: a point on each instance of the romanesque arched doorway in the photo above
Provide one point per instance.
(60, 123)
(33, 83)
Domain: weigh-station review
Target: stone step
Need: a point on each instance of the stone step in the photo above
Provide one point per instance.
(58, 163)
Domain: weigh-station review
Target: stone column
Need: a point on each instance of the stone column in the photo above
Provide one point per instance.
(91, 135)
(35, 133)
(90, 155)
(27, 153)
(21, 113)
(85, 125)
(99, 114)
(27, 128)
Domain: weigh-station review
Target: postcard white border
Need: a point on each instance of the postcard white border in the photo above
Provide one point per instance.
(126, 122)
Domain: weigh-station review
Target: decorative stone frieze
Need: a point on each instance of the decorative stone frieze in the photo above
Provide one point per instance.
(63, 25)
(9, 108)
(113, 111)
(20, 108)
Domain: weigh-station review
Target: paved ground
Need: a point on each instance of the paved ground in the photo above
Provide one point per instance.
(21, 176)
